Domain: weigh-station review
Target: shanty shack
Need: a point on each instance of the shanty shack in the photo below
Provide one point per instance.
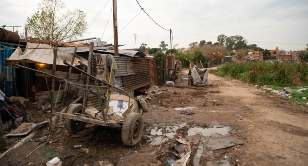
(132, 69)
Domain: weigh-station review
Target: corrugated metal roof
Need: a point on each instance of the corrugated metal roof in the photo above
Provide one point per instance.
(79, 49)
(125, 53)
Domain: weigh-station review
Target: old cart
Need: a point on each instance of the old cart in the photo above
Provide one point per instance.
(101, 106)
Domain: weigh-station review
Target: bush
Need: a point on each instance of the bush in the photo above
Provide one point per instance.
(267, 73)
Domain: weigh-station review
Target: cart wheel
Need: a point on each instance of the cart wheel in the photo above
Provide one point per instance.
(71, 125)
(132, 129)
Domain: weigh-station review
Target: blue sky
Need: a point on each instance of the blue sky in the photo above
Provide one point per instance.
(267, 23)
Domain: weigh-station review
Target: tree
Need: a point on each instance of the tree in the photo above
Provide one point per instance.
(193, 44)
(209, 43)
(153, 50)
(172, 51)
(241, 52)
(253, 46)
(54, 22)
(163, 45)
(307, 48)
(221, 40)
(259, 49)
(230, 42)
(266, 53)
(143, 47)
(198, 56)
(159, 56)
(202, 42)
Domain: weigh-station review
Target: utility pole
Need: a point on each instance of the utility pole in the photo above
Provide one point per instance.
(170, 39)
(135, 40)
(115, 28)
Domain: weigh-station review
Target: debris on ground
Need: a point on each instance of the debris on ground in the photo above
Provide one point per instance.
(223, 142)
(54, 162)
(169, 83)
(187, 112)
(25, 129)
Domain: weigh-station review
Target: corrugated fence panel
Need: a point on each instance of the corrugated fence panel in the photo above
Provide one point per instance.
(124, 66)
(141, 78)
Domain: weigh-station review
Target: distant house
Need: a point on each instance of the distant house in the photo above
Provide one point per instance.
(256, 55)
(273, 52)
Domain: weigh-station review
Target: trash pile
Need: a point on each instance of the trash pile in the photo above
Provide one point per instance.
(181, 152)
(286, 92)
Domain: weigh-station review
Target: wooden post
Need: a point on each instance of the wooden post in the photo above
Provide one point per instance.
(85, 92)
(54, 67)
(115, 28)
(68, 77)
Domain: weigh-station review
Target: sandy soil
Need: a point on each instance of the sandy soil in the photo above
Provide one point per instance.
(274, 130)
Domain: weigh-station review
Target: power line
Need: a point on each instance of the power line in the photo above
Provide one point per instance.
(97, 15)
(107, 22)
(150, 16)
(127, 24)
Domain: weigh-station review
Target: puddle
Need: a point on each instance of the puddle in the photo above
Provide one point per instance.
(208, 131)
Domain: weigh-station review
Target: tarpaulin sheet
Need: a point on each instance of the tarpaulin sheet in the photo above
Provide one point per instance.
(43, 53)
(7, 74)
(199, 75)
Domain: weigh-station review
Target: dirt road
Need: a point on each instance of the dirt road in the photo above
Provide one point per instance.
(274, 130)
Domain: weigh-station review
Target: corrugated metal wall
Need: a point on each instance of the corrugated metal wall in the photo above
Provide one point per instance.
(141, 78)
(7, 74)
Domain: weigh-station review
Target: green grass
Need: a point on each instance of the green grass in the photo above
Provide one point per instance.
(265, 73)
(298, 98)
(275, 75)
(281, 86)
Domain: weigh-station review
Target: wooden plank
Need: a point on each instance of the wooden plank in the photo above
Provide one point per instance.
(87, 119)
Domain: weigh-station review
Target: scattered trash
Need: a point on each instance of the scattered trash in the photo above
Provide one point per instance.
(169, 82)
(184, 78)
(77, 146)
(305, 98)
(54, 162)
(182, 154)
(187, 112)
(223, 142)
(271, 96)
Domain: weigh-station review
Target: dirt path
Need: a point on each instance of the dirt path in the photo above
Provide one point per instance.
(274, 130)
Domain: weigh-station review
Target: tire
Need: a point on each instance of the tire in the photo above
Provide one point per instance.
(144, 105)
(132, 129)
(71, 125)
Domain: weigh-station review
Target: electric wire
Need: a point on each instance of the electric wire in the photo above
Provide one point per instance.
(127, 24)
(150, 16)
(107, 22)
(97, 15)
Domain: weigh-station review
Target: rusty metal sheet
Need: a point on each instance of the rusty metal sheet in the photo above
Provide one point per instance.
(141, 78)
